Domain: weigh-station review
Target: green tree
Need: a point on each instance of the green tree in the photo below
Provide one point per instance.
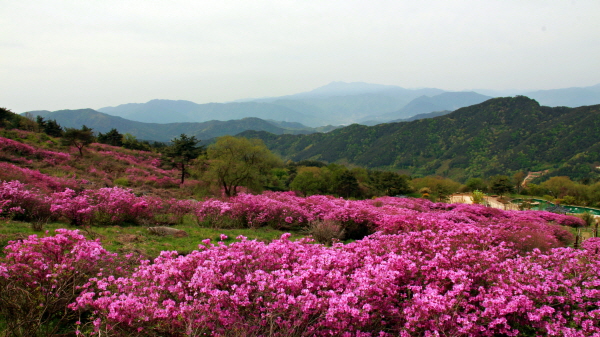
(182, 151)
(309, 181)
(501, 185)
(234, 162)
(478, 197)
(112, 137)
(79, 138)
(6, 117)
(518, 179)
(476, 184)
(49, 127)
(559, 186)
(389, 183)
(52, 128)
(132, 143)
(346, 185)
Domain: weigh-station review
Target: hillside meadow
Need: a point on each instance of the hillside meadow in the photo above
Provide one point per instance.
(78, 258)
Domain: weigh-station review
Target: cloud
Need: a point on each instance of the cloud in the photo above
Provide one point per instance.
(59, 54)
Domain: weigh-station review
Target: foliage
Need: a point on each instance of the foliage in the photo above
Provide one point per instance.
(49, 127)
(435, 261)
(346, 185)
(40, 276)
(326, 232)
(478, 197)
(499, 136)
(235, 162)
(309, 181)
(390, 183)
(112, 137)
(500, 185)
(79, 138)
(182, 151)
(441, 187)
(476, 184)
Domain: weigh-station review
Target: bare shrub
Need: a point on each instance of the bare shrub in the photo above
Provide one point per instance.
(325, 231)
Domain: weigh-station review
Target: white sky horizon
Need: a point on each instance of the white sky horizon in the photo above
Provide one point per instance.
(70, 55)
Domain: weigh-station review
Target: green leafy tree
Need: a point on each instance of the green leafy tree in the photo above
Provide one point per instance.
(132, 143)
(478, 197)
(390, 183)
(183, 150)
(6, 117)
(518, 179)
(52, 128)
(559, 186)
(234, 162)
(49, 127)
(112, 137)
(501, 185)
(79, 138)
(474, 184)
(309, 181)
(346, 185)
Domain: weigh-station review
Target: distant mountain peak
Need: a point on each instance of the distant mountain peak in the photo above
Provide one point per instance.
(350, 88)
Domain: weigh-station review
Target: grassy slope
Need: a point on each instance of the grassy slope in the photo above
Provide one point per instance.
(137, 239)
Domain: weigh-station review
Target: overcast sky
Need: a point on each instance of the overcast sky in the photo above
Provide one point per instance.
(96, 53)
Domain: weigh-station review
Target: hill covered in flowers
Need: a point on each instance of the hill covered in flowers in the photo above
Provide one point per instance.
(41, 161)
(385, 266)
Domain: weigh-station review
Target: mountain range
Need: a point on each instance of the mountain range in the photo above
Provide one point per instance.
(101, 122)
(338, 103)
(498, 136)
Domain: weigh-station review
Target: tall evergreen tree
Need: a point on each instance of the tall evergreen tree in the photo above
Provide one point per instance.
(183, 150)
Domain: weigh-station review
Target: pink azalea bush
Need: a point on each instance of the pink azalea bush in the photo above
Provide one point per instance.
(40, 276)
(11, 147)
(20, 203)
(105, 206)
(423, 283)
(34, 178)
(390, 215)
(428, 269)
(592, 244)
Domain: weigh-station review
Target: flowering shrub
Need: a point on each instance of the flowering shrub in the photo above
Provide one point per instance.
(429, 269)
(457, 282)
(592, 245)
(35, 178)
(9, 146)
(105, 206)
(390, 215)
(39, 277)
(19, 203)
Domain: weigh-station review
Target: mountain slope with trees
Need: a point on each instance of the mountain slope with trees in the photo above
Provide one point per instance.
(101, 122)
(498, 136)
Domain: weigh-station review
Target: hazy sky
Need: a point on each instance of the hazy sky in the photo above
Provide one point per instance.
(95, 53)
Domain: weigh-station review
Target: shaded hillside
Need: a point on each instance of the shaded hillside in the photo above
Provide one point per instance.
(426, 104)
(169, 111)
(101, 122)
(423, 116)
(498, 136)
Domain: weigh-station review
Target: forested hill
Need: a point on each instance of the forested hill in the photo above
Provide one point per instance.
(498, 136)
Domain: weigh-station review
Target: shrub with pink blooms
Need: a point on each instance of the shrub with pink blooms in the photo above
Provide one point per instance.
(40, 276)
(20, 203)
(105, 206)
(424, 283)
(12, 149)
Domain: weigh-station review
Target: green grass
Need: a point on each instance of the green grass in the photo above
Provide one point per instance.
(137, 239)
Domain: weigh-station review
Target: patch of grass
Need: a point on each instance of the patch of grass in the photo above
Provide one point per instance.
(137, 239)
